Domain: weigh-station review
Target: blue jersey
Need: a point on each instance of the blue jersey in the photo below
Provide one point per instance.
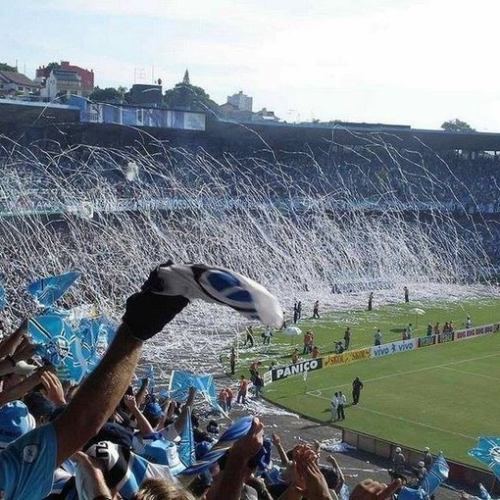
(27, 465)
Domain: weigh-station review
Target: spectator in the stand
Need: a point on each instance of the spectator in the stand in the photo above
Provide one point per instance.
(399, 462)
(50, 445)
(428, 459)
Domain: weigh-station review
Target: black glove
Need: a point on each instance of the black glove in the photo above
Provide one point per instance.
(147, 313)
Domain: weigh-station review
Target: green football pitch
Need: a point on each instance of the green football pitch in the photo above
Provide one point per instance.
(442, 396)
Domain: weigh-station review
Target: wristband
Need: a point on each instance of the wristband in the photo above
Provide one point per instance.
(10, 359)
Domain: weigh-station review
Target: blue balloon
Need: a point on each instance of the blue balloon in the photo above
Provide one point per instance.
(58, 345)
(47, 290)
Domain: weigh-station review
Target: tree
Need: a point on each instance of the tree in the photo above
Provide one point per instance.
(457, 125)
(51, 66)
(187, 96)
(108, 94)
(6, 67)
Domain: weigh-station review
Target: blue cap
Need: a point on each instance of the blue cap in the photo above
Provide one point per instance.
(153, 409)
(15, 421)
(164, 452)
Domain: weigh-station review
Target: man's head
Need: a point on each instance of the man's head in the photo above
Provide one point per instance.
(161, 489)
(40, 407)
(153, 413)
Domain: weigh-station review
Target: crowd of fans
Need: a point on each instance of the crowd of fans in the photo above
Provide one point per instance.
(105, 439)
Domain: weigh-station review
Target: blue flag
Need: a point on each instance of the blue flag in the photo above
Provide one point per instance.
(151, 376)
(58, 345)
(487, 451)
(180, 382)
(94, 335)
(47, 290)
(186, 446)
(438, 473)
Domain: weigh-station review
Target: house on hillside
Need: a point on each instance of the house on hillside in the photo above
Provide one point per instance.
(62, 82)
(86, 76)
(13, 83)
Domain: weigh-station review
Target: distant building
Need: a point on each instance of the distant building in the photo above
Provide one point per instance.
(231, 112)
(86, 76)
(62, 82)
(265, 115)
(241, 101)
(12, 83)
(145, 94)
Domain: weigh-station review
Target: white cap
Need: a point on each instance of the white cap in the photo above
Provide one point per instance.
(421, 464)
(427, 448)
(398, 450)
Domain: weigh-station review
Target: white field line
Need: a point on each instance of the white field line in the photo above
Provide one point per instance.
(398, 374)
(405, 420)
(318, 394)
(471, 373)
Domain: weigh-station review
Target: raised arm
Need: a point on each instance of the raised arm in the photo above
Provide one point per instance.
(146, 314)
(188, 405)
(142, 422)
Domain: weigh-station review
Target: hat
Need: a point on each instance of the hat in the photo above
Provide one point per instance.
(15, 421)
(427, 448)
(421, 463)
(398, 450)
(164, 452)
(153, 410)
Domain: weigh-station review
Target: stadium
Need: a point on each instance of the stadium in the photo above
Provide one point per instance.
(313, 213)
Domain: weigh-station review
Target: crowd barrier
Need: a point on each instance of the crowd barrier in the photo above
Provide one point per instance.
(387, 349)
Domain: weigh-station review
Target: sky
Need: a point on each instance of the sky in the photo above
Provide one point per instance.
(410, 62)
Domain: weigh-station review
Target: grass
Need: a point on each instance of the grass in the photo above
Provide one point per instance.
(391, 320)
(443, 396)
